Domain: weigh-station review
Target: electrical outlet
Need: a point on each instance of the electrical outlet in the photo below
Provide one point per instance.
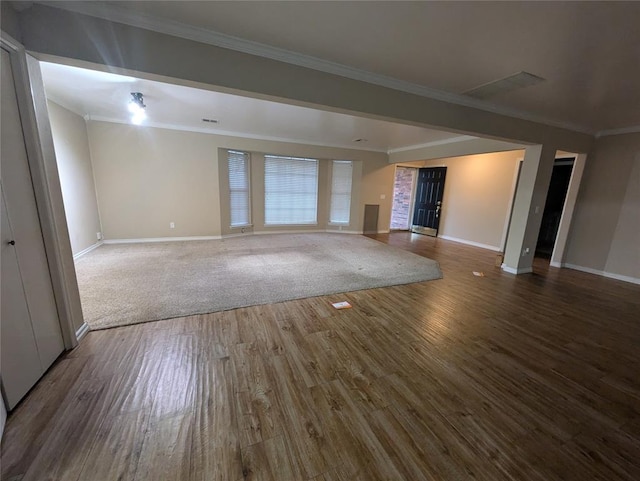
(525, 251)
(383, 196)
(172, 225)
(99, 235)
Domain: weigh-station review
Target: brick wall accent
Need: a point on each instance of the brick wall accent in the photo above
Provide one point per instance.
(402, 188)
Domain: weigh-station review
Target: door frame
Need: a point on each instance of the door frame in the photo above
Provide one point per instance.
(559, 247)
(46, 186)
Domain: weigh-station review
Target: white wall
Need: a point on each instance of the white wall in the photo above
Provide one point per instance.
(605, 231)
(477, 195)
(377, 182)
(76, 176)
(147, 177)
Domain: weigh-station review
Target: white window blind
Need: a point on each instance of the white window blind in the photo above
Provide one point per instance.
(239, 185)
(290, 190)
(340, 192)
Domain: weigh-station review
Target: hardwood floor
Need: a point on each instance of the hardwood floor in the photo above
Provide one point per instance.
(531, 377)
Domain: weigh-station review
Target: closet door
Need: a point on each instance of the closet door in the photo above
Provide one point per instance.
(26, 272)
(21, 366)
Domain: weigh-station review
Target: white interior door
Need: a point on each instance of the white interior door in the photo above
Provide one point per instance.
(21, 366)
(27, 270)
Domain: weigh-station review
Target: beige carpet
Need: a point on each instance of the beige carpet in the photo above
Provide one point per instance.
(124, 284)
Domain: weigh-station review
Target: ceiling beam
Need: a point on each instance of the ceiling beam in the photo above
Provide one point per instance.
(441, 150)
(50, 32)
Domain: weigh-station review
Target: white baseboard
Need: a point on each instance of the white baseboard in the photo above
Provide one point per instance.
(471, 243)
(87, 250)
(520, 270)
(80, 333)
(160, 239)
(610, 275)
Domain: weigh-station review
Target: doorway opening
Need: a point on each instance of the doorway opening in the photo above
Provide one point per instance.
(553, 208)
(402, 205)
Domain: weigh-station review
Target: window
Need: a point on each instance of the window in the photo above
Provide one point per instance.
(290, 190)
(340, 192)
(239, 185)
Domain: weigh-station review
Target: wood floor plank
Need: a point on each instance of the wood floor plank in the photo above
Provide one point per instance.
(312, 450)
(410, 458)
(116, 449)
(259, 418)
(44, 403)
(450, 456)
(368, 458)
(294, 343)
(166, 450)
(339, 473)
(175, 383)
(215, 448)
(65, 451)
(322, 357)
(523, 378)
(269, 461)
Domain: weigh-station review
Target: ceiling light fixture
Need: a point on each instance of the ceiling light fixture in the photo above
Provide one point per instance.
(137, 108)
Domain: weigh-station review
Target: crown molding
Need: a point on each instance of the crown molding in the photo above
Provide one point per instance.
(171, 27)
(225, 133)
(634, 129)
(452, 140)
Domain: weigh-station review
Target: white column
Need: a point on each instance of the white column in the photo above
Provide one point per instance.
(531, 195)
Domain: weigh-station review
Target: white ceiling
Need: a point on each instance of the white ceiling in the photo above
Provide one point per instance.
(588, 52)
(104, 96)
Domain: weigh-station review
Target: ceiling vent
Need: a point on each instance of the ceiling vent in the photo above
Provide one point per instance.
(507, 84)
(211, 121)
(359, 140)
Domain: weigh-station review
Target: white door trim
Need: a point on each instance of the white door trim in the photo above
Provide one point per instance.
(557, 256)
(560, 244)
